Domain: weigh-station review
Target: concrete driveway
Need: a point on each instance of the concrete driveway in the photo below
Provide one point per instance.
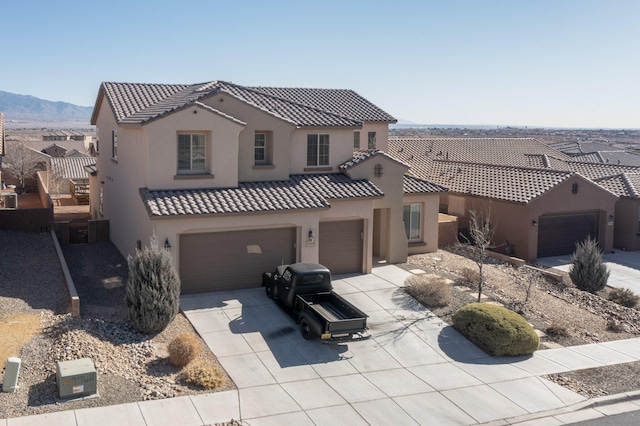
(414, 369)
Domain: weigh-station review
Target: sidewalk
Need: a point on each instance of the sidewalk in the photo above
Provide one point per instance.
(413, 370)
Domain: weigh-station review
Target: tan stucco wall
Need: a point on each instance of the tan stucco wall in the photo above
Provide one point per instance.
(626, 233)
(257, 120)
(514, 222)
(340, 148)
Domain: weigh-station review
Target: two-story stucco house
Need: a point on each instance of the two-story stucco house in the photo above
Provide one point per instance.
(237, 180)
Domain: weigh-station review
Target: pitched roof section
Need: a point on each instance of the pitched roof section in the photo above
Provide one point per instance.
(414, 185)
(71, 167)
(140, 103)
(515, 184)
(298, 193)
(623, 185)
(362, 156)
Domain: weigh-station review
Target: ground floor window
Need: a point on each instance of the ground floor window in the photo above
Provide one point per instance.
(411, 214)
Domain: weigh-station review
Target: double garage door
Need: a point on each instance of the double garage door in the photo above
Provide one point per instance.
(558, 234)
(233, 260)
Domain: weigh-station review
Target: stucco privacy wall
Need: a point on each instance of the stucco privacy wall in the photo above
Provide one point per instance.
(429, 226)
(303, 220)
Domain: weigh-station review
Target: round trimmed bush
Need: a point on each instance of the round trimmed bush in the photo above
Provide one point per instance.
(496, 330)
(183, 349)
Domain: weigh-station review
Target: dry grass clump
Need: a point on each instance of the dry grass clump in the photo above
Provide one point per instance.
(470, 276)
(624, 297)
(557, 330)
(183, 349)
(615, 325)
(430, 290)
(15, 331)
(205, 375)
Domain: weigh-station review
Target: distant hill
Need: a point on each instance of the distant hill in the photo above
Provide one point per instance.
(27, 111)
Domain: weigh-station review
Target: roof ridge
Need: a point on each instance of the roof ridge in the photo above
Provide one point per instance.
(503, 166)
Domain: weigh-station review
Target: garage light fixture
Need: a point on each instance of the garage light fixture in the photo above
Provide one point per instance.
(312, 236)
(534, 223)
(167, 244)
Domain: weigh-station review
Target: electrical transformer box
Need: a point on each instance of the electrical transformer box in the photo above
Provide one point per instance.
(76, 378)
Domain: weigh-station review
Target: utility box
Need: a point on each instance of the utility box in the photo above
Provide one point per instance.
(76, 378)
(11, 372)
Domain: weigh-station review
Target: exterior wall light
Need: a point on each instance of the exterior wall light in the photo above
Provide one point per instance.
(312, 236)
(534, 223)
(167, 244)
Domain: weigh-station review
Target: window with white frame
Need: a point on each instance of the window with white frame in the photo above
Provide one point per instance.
(262, 148)
(318, 150)
(411, 215)
(114, 144)
(192, 153)
(356, 140)
(371, 140)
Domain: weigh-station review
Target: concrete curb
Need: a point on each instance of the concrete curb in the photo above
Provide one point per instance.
(71, 288)
(601, 401)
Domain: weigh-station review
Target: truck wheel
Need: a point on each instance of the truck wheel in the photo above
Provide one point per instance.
(269, 290)
(305, 330)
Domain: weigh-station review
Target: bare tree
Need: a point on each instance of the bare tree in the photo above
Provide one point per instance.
(21, 162)
(480, 237)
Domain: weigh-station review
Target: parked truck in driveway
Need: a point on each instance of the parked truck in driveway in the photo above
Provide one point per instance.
(306, 292)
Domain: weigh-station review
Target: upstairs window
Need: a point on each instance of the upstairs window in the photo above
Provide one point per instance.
(114, 144)
(318, 150)
(371, 140)
(411, 214)
(191, 153)
(262, 148)
(356, 140)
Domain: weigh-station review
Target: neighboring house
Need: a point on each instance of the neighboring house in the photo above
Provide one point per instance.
(592, 152)
(67, 175)
(541, 202)
(54, 150)
(65, 135)
(236, 180)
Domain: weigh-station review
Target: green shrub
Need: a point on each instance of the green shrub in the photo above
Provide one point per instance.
(624, 297)
(153, 289)
(588, 271)
(430, 290)
(183, 349)
(496, 330)
(205, 375)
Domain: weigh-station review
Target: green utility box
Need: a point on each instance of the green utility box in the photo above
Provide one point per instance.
(76, 378)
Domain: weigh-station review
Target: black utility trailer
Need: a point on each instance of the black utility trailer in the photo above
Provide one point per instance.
(305, 290)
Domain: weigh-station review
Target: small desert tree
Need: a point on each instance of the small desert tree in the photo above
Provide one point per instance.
(480, 237)
(588, 271)
(153, 289)
(22, 162)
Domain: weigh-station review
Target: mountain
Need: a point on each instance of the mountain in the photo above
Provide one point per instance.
(23, 109)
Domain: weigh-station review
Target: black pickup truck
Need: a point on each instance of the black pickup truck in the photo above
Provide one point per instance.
(306, 292)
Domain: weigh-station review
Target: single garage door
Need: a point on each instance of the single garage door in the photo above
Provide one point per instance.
(558, 234)
(340, 246)
(232, 260)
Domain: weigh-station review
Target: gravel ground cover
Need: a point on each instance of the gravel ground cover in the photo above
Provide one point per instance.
(577, 317)
(131, 367)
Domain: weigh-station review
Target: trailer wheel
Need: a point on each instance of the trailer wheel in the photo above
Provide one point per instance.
(305, 330)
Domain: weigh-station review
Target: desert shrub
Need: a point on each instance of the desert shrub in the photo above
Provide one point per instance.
(430, 290)
(183, 349)
(496, 330)
(624, 297)
(203, 374)
(588, 271)
(557, 330)
(153, 289)
(470, 276)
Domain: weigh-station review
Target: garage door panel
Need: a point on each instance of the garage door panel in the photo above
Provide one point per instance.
(341, 246)
(232, 260)
(558, 234)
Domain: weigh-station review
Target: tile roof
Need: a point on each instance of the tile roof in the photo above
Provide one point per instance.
(515, 184)
(361, 156)
(523, 152)
(415, 185)
(299, 192)
(623, 185)
(71, 167)
(141, 103)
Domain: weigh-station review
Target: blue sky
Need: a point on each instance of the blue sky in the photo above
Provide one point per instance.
(566, 63)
